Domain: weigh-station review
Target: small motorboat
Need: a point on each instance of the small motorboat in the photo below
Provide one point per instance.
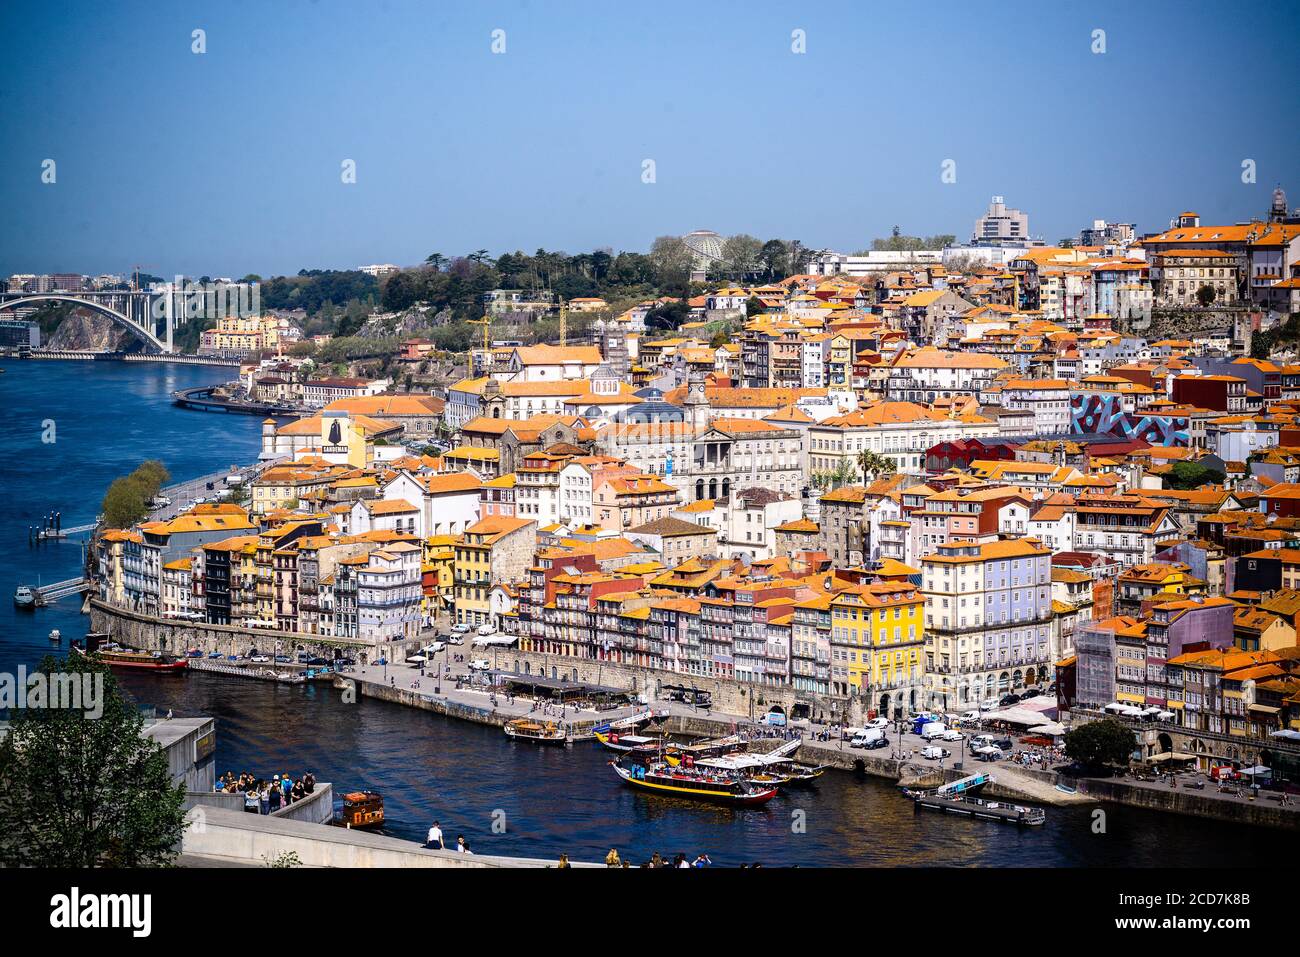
(55, 636)
(1066, 789)
(24, 598)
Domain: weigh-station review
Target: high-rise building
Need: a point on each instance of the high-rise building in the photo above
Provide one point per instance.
(1001, 225)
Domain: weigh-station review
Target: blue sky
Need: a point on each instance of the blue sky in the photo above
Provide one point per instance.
(229, 162)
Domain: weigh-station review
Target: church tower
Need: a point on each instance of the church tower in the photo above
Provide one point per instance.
(697, 403)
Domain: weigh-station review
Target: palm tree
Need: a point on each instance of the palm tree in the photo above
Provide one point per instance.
(873, 464)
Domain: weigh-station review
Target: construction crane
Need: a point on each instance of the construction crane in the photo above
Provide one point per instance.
(485, 322)
(135, 281)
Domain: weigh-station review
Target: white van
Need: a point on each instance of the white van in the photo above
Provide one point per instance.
(867, 738)
(935, 729)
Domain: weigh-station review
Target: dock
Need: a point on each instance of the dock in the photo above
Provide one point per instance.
(53, 592)
(205, 400)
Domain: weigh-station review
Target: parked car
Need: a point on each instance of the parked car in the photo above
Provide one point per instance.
(345, 660)
(315, 662)
(215, 654)
(773, 719)
(1007, 699)
(480, 664)
(261, 659)
(988, 704)
(878, 723)
(455, 640)
(434, 647)
(485, 630)
(1029, 693)
(462, 629)
(952, 734)
(283, 659)
(933, 753)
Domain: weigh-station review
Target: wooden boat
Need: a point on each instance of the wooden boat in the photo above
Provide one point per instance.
(522, 729)
(135, 660)
(705, 749)
(361, 810)
(626, 743)
(631, 722)
(697, 784)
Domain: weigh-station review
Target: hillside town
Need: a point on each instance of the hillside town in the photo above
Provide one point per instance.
(890, 482)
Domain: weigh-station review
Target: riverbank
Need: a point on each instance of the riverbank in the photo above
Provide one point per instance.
(402, 685)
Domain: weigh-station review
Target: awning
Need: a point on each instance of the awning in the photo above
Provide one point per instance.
(988, 749)
(1286, 733)
(1170, 756)
(1265, 709)
(496, 640)
(1051, 727)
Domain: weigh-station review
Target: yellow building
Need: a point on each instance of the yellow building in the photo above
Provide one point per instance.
(241, 334)
(877, 643)
(437, 574)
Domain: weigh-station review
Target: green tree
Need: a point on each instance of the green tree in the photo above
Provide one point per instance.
(740, 255)
(124, 503)
(873, 464)
(1100, 743)
(1205, 295)
(1192, 475)
(127, 499)
(82, 792)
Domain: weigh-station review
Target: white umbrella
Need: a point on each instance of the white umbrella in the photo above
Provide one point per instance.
(989, 749)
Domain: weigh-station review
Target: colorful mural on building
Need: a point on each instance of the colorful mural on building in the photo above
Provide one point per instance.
(1099, 412)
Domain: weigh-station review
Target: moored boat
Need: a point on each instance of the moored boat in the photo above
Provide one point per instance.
(705, 749)
(136, 660)
(361, 810)
(700, 784)
(523, 729)
(24, 598)
(626, 743)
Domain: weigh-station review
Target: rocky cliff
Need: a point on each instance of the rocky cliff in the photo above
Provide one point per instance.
(87, 330)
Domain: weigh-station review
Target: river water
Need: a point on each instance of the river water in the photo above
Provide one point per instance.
(505, 797)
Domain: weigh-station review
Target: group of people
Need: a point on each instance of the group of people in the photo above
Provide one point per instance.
(265, 797)
(612, 859)
(435, 841)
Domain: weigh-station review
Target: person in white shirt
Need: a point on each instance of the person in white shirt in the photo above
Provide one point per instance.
(435, 838)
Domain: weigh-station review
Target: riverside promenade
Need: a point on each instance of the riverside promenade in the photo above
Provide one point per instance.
(223, 838)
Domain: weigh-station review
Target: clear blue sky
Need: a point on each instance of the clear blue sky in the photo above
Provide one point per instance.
(229, 162)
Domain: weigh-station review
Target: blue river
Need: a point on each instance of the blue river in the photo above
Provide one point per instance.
(107, 417)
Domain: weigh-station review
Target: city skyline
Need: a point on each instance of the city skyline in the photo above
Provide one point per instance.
(236, 164)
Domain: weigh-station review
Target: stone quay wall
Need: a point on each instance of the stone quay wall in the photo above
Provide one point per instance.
(732, 697)
(175, 637)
